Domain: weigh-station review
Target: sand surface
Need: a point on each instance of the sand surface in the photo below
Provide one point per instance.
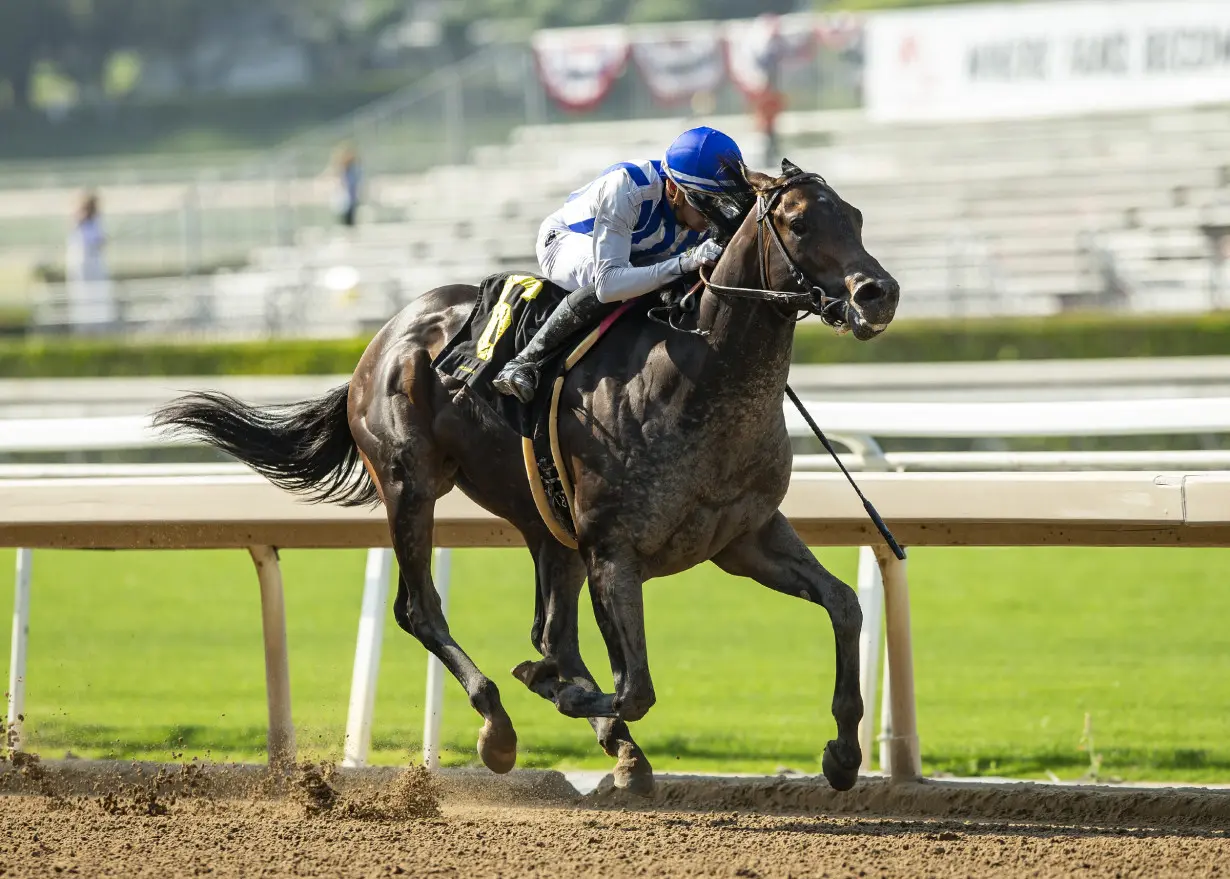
(321, 823)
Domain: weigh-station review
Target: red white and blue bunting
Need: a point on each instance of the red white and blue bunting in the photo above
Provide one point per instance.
(577, 67)
(678, 63)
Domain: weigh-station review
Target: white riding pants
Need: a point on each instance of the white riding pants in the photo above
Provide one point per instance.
(564, 256)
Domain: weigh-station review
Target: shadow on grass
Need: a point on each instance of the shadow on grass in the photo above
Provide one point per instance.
(162, 742)
(168, 742)
(1136, 761)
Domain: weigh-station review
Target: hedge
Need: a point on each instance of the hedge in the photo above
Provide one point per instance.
(1076, 336)
(53, 357)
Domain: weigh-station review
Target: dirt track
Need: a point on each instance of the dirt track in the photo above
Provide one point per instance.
(208, 829)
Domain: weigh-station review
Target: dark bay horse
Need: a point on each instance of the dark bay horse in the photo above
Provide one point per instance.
(676, 445)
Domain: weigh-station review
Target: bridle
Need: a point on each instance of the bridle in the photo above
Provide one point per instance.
(812, 298)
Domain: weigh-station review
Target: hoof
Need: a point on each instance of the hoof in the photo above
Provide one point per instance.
(840, 765)
(573, 701)
(497, 748)
(532, 673)
(632, 710)
(635, 775)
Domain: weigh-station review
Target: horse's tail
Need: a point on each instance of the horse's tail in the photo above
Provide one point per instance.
(304, 447)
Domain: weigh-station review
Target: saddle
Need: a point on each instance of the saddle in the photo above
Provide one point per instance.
(510, 308)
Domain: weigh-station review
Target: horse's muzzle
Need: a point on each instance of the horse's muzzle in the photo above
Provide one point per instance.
(873, 303)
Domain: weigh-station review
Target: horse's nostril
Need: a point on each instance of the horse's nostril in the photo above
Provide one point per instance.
(870, 293)
(874, 292)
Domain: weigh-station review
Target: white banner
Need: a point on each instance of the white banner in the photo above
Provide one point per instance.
(677, 63)
(577, 67)
(1039, 59)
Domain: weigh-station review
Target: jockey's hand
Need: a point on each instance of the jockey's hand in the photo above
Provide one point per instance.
(704, 254)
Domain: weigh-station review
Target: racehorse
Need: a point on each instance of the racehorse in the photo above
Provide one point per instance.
(675, 443)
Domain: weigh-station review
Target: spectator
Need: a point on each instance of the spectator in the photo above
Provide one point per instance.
(769, 104)
(767, 107)
(349, 179)
(90, 304)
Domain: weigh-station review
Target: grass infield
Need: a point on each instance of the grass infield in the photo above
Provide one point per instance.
(154, 654)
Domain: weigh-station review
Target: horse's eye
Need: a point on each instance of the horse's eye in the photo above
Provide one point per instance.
(799, 228)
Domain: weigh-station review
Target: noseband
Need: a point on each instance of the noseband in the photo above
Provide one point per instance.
(813, 298)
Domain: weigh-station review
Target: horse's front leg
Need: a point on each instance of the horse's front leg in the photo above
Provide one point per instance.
(776, 557)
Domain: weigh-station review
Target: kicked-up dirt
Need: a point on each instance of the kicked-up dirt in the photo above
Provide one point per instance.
(316, 821)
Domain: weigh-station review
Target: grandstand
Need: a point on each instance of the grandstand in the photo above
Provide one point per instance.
(1032, 217)
(1013, 217)
(1127, 211)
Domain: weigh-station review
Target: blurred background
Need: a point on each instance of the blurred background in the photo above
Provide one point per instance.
(237, 193)
(303, 168)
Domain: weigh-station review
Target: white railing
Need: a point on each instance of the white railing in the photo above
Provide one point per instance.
(857, 425)
(1100, 509)
(309, 302)
(997, 381)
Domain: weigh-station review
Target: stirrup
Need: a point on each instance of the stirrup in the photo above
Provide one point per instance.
(518, 379)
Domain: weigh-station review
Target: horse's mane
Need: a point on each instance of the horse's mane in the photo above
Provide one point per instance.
(727, 210)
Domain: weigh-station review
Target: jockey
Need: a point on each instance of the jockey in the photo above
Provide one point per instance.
(631, 231)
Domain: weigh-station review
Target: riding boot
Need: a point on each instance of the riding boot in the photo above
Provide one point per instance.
(519, 377)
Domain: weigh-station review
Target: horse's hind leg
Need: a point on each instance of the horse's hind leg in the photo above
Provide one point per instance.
(561, 676)
(776, 557)
(417, 610)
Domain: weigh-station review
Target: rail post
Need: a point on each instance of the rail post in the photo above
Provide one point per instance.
(871, 599)
(367, 657)
(277, 663)
(17, 657)
(435, 669)
(904, 755)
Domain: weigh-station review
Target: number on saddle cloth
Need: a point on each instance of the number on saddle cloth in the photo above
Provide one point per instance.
(508, 311)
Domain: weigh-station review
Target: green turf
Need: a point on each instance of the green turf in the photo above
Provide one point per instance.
(146, 653)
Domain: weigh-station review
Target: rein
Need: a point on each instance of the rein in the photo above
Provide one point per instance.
(812, 299)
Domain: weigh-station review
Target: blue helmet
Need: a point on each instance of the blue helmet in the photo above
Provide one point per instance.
(695, 160)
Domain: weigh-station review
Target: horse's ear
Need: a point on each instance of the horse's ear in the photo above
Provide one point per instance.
(790, 169)
(759, 181)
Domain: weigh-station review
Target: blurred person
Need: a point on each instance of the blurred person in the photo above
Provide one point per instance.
(349, 182)
(91, 307)
(634, 229)
(766, 108)
(768, 105)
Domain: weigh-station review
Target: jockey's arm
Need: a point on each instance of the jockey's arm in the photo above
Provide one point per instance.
(615, 278)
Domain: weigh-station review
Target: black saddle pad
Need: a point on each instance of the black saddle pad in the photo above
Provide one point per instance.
(510, 308)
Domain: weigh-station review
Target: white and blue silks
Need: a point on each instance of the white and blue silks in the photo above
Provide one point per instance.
(620, 234)
(617, 233)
